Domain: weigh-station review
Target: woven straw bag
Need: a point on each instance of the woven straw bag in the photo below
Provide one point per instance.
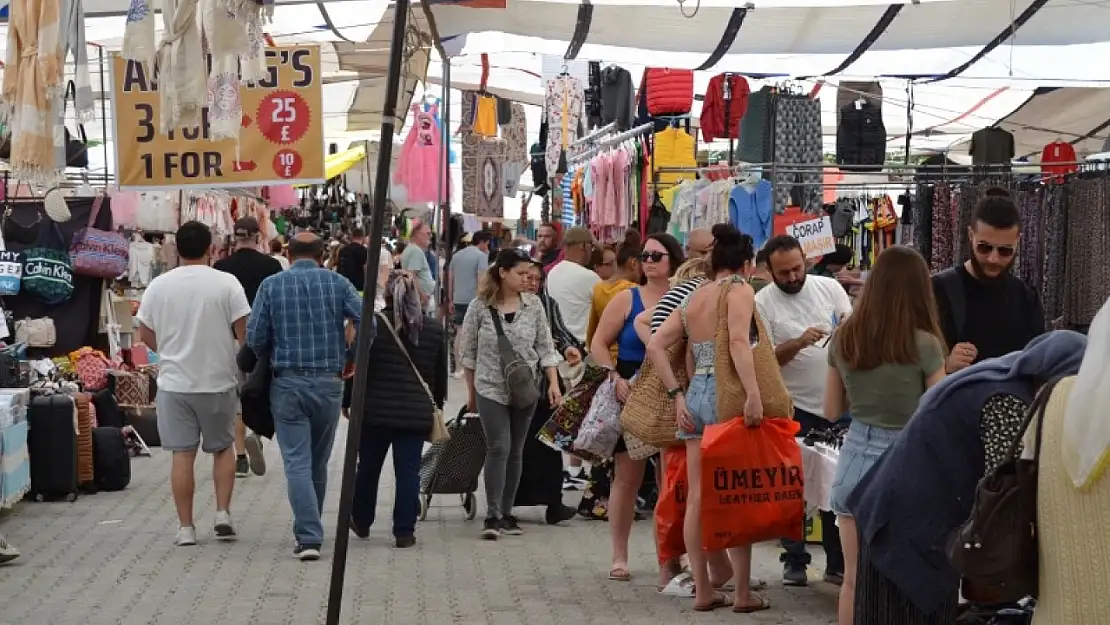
(730, 391)
(649, 415)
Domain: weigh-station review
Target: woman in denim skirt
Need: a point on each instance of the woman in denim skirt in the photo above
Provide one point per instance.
(882, 359)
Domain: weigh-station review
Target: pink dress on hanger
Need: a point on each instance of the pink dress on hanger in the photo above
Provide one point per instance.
(418, 167)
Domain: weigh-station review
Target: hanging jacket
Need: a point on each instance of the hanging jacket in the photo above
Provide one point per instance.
(669, 91)
(861, 137)
(673, 148)
(616, 97)
(418, 168)
(755, 128)
(395, 397)
(715, 108)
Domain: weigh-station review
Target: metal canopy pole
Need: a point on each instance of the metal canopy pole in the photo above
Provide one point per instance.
(370, 288)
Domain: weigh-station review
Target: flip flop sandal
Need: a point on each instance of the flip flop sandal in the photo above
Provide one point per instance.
(720, 600)
(748, 609)
(620, 574)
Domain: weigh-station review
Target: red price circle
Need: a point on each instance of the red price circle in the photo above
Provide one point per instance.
(288, 164)
(283, 117)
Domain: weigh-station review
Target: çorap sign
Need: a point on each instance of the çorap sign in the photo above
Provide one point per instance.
(815, 236)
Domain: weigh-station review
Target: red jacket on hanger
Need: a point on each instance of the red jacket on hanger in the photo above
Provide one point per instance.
(1058, 152)
(713, 109)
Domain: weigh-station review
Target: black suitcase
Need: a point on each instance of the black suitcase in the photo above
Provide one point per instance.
(145, 421)
(111, 460)
(52, 447)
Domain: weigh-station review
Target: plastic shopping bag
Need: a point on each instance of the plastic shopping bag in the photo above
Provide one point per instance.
(670, 510)
(752, 483)
(601, 429)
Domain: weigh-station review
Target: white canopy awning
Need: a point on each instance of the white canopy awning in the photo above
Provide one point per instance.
(779, 26)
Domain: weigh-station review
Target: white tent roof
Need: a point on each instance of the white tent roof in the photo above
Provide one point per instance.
(779, 26)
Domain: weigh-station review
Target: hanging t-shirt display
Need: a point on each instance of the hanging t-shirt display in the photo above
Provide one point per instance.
(992, 146)
(418, 168)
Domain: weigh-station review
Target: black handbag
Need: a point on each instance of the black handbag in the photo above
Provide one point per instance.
(15, 232)
(77, 151)
(996, 549)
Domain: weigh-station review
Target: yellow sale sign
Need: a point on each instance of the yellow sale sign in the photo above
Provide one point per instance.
(281, 139)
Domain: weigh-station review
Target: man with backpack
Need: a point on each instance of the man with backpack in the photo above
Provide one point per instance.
(985, 311)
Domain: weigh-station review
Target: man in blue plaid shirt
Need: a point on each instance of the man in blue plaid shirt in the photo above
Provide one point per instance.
(300, 316)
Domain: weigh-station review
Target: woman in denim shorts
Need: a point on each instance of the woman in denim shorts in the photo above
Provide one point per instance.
(881, 360)
(696, 407)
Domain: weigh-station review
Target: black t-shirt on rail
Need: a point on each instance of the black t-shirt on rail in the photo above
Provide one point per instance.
(352, 264)
(250, 267)
(1001, 316)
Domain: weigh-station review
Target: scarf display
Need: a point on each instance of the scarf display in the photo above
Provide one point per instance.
(72, 40)
(181, 73)
(408, 316)
(1086, 439)
(33, 83)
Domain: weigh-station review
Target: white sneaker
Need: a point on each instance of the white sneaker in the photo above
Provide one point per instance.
(186, 536)
(458, 375)
(224, 529)
(7, 552)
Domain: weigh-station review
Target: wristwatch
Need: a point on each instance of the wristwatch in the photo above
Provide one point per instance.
(674, 392)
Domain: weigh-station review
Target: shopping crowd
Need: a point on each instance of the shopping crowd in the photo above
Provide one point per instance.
(731, 352)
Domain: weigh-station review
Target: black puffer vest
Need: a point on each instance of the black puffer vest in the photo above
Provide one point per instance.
(394, 396)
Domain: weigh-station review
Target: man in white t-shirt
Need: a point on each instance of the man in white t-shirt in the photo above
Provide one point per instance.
(189, 316)
(571, 284)
(800, 311)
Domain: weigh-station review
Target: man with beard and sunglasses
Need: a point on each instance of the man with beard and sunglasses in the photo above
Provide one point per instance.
(800, 311)
(985, 311)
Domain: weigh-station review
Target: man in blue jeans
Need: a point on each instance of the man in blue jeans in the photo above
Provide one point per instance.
(300, 315)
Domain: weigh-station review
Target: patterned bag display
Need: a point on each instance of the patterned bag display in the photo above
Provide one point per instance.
(562, 428)
(601, 428)
(11, 272)
(98, 253)
(47, 271)
(92, 368)
(131, 388)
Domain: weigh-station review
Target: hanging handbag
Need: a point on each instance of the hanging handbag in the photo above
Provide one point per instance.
(98, 253)
(996, 549)
(439, 431)
(520, 377)
(36, 332)
(15, 232)
(47, 271)
(11, 272)
(731, 395)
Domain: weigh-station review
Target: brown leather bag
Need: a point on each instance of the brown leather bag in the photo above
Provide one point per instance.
(996, 549)
(730, 391)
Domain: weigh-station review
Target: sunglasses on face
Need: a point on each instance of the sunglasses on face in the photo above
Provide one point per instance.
(654, 257)
(984, 248)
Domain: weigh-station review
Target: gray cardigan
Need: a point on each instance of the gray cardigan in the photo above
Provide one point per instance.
(923, 487)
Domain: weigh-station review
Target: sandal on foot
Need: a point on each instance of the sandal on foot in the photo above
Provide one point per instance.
(619, 574)
(762, 605)
(720, 600)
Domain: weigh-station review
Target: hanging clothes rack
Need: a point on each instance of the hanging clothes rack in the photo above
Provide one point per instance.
(607, 142)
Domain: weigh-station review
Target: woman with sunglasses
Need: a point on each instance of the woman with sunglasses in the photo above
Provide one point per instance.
(661, 257)
(503, 291)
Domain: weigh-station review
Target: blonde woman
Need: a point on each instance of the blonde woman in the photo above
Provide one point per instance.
(503, 291)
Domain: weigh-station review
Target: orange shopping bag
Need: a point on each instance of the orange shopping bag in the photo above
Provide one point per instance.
(670, 509)
(752, 485)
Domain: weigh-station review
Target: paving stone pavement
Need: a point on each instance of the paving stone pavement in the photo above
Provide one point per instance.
(109, 559)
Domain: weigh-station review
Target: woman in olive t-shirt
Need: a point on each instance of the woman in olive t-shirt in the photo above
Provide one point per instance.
(883, 357)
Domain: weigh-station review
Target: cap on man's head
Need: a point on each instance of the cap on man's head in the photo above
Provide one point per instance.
(246, 228)
(578, 236)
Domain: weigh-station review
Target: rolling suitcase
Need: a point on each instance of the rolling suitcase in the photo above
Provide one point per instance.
(452, 467)
(111, 458)
(52, 447)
